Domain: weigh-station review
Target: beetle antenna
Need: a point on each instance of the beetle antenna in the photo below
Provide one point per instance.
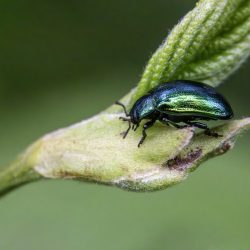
(123, 106)
(125, 119)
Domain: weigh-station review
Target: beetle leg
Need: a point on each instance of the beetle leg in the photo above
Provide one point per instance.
(197, 125)
(207, 131)
(136, 127)
(125, 133)
(125, 119)
(165, 121)
(211, 133)
(168, 122)
(146, 126)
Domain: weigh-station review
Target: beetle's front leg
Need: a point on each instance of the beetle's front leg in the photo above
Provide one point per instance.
(201, 125)
(146, 126)
(125, 133)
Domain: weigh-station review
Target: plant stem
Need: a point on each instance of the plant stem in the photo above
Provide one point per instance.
(16, 175)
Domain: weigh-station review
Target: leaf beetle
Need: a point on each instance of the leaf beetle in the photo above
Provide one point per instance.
(176, 102)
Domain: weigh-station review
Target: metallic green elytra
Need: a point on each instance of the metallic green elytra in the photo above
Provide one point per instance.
(177, 102)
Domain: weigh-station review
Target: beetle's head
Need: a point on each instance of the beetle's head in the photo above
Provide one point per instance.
(131, 117)
(142, 109)
(134, 117)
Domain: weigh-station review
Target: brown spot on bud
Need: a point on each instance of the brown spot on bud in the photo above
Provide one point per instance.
(182, 163)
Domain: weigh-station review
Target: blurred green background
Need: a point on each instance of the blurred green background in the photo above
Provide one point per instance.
(63, 61)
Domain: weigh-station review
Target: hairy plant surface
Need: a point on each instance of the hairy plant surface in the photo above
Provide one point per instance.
(207, 45)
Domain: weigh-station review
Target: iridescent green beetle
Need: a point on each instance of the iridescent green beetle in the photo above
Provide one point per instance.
(177, 102)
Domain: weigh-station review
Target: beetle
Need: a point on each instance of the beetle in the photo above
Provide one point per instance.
(176, 102)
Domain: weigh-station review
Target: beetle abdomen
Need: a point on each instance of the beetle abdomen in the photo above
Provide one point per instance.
(188, 98)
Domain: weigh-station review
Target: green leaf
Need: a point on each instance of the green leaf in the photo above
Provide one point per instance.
(94, 151)
(208, 45)
(176, 169)
(198, 151)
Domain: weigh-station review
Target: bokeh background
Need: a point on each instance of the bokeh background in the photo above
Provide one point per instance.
(63, 61)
